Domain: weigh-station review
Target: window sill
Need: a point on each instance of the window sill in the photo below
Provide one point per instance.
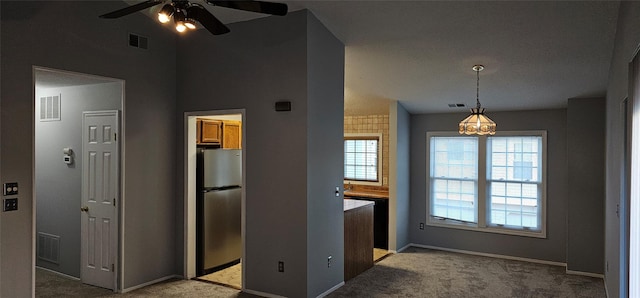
(489, 229)
(357, 182)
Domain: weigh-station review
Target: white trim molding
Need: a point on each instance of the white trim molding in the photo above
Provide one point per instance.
(155, 281)
(263, 294)
(329, 291)
(589, 274)
(58, 273)
(482, 254)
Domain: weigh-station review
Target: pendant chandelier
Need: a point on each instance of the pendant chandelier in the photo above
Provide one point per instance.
(477, 123)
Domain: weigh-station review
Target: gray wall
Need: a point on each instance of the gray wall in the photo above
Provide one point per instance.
(585, 218)
(553, 248)
(58, 185)
(69, 36)
(626, 42)
(399, 168)
(325, 154)
(261, 62)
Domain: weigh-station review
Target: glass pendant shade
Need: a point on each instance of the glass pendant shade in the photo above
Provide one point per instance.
(477, 124)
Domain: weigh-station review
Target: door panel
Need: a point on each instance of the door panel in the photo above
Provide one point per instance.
(100, 192)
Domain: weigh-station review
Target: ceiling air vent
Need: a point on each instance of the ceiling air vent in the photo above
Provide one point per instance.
(457, 105)
(50, 108)
(138, 41)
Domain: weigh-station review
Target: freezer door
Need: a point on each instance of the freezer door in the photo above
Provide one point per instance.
(222, 167)
(222, 227)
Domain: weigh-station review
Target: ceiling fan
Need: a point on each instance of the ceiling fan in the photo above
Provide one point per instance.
(185, 14)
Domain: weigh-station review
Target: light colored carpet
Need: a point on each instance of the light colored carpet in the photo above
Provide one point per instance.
(416, 272)
(53, 285)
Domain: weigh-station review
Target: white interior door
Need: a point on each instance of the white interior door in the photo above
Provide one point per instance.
(100, 193)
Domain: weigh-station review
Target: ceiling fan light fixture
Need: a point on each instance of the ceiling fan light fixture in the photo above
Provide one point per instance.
(179, 18)
(164, 16)
(180, 27)
(189, 23)
(186, 13)
(477, 123)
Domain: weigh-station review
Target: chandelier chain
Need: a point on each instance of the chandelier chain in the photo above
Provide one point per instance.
(478, 88)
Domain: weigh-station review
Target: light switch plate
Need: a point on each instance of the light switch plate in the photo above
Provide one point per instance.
(10, 189)
(10, 204)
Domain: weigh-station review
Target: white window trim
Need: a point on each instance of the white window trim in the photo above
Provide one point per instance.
(365, 135)
(482, 225)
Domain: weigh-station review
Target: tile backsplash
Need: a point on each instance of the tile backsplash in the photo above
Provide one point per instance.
(372, 124)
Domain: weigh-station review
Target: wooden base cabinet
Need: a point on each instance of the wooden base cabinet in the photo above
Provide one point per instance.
(358, 241)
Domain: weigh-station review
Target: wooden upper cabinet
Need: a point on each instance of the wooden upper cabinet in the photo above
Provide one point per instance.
(231, 134)
(226, 133)
(210, 131)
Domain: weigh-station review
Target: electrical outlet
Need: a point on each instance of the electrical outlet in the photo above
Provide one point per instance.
(421, 226)
(280, 266)
(10, 204)
(329, 261)
(10, 189)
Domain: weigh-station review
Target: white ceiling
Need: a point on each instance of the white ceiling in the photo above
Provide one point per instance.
(537, 54)
(47, 78)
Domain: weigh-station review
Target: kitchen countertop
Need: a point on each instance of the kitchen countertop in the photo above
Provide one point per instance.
(354, 204)
(366, 194)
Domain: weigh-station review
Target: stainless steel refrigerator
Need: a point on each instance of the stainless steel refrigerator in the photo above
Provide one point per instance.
(218, 209)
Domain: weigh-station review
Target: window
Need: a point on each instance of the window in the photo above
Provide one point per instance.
(493, 184)
(454, 175)
(362, 157)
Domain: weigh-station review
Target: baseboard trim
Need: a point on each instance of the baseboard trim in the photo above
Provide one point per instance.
(468, 252)
(589, 274)
(402, 248)
(263, 294)
(606, 290)
(155, 281)
(329, 291)
(59, 273)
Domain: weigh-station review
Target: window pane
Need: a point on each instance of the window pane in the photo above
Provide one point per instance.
(514, 204)
(454, 157)
(454, 171)
(514, 181)
(515, 158)
(454, 199)
(361, 159)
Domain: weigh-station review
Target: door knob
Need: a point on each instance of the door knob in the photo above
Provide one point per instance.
(84, 209)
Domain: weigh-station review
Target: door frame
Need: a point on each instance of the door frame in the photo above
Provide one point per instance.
(118, 279)
(189, 189)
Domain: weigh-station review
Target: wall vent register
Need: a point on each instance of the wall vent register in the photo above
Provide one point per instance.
(138, 41)
(50, 108)
(49, 247)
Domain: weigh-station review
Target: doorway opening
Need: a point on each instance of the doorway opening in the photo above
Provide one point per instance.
(214, 205)
(63, 224)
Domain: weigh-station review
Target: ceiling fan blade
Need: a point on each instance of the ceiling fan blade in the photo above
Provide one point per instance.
(131, 9)
(207, 20)
(278, 9)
